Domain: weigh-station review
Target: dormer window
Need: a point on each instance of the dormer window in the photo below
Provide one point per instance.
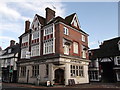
(66, 32)
(75, 22)
(9, 50)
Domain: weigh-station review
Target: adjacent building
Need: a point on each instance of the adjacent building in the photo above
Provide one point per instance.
(105, 61)
(8, 59)
(53, 49)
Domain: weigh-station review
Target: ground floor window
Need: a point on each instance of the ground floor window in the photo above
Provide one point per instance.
(23, 71)
(93, 75)
(118, 76)
(35, 70)
(77, 70)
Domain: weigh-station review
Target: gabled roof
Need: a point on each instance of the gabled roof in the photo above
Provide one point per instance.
(14, 49)
(69, 18)
(41, 19)
(109, 48)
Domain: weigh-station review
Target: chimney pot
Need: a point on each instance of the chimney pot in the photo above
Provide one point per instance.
(12, 43)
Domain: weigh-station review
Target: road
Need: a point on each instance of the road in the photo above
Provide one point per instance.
(7, 86)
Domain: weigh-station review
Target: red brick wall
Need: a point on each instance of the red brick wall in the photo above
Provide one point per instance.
(74, 36)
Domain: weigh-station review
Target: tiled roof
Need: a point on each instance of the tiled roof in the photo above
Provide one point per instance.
(69, 18)
(14, 49)
(109, 48)
(41, 19)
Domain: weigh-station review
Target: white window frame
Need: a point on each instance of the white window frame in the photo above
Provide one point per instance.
(9, 50)
(83, 52)
(119, 45)
(24, 52)
(35, 50)
(48, 30)
(48, 46)
(35, 35)
(25, 39)
(93, 74)
(83, 38)
(75, 23)
(118, 76)
(66, 49)
(77, 70)
(35, 70)
(66, 31)
(117, 60)
(75, 47)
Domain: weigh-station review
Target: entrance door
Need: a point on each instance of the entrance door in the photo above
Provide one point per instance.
(108, 73)
(27, 76)
(59, 76)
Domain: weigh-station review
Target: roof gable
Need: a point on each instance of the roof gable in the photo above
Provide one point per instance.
(38, 21)
(73, 20)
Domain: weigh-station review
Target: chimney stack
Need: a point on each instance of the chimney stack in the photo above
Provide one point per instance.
(27, 25)
(12, 42)
(49, 14)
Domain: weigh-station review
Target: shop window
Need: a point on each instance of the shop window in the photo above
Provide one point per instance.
(35, 70)
(93, 75)
(23, 71)
(77, 70)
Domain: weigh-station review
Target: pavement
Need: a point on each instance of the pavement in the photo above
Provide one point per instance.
(91, 86)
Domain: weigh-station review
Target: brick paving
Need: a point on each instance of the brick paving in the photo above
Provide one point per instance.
(91, 85)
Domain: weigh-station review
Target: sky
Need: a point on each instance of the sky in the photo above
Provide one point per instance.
(98, 19)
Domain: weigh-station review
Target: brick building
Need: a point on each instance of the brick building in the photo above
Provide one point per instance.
(54, 49)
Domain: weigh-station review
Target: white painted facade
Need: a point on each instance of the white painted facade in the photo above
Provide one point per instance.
(65, 65)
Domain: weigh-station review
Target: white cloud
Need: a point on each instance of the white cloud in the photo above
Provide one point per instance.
(13, 15)
(11, 27)
(6, 38)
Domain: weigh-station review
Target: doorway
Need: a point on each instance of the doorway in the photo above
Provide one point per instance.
(59, 76)
(108, 74)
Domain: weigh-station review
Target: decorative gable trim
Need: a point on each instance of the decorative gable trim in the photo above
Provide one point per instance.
(75, 16)
(35, 19)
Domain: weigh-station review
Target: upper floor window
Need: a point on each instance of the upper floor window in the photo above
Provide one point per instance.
(24, 53)
(9, 50)
(48, 30)
(66, 49)
(66, 32)
(48, 46)
(35, 50)
(25, 39)
(75, 22)
(83, 38)
(83, 52)
(35, 35)
(118, 60)
(75, 47)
